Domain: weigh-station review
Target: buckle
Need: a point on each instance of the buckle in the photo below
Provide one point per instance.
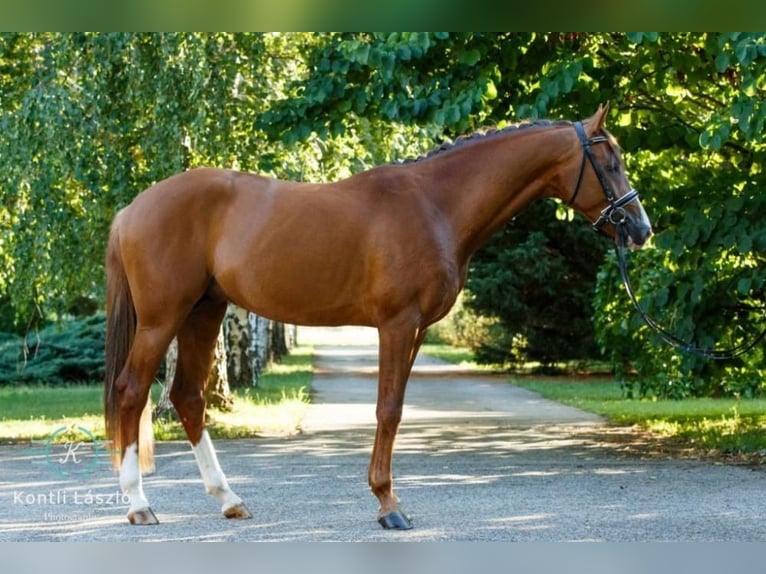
(620, 218)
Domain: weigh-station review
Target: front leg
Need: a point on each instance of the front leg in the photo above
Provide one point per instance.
(399, 344)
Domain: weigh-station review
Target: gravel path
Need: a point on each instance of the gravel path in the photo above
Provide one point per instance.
(476, 459)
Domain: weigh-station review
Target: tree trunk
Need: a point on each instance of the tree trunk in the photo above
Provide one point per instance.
(217, 392)
(277, 342)
(238, 335)
(259, 343)
(164, 408)
(252, 342)
(246, 344)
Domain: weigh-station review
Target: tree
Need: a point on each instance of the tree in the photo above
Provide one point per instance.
(537, 278)
(689, 112)
(242, 361)
(88, 120)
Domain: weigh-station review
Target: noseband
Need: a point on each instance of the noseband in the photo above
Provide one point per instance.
(614, 213)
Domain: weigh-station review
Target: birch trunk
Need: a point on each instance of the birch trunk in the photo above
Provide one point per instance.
(238, 343)
(246, 344)
(217, 391)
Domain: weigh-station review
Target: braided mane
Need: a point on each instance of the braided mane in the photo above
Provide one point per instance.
(482, 134)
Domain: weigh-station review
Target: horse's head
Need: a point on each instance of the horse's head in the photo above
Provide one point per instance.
(602, 192)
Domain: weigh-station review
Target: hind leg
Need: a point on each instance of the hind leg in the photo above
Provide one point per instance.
(196, 345)
(133, 387)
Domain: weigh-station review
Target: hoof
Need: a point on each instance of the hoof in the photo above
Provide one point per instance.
(143, 517)
(237, 511)
(395, 520)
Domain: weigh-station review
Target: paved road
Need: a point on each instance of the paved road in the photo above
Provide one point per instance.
(477, 459)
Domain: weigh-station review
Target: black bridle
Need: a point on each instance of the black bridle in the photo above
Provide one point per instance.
(615, 214)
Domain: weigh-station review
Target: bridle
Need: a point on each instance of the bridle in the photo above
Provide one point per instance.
(615, 214)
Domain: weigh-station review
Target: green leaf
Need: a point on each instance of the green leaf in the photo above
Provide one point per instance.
(362, 54)
(469, 57)
(551, 89)
(391, 109)
(742, 52)
(743, 285)
(490, 90)
(722, 62)
(567, 81)
(423, 41)
(452, 114)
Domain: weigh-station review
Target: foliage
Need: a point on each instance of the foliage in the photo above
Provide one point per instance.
(68, 352)
(689, 111)
(705, 279)
(88, 120)
(537, 279)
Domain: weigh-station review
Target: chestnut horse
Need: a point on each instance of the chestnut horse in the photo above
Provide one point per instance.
(387, 248)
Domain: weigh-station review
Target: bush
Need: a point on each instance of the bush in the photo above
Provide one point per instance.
(67, 352)
(648, 367)
(535, 280)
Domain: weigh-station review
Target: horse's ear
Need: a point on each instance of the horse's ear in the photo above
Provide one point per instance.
(594, 123)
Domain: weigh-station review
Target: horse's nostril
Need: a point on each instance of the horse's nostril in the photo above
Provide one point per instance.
(641, 235)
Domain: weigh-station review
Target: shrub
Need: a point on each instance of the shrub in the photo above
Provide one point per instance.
(67, 352)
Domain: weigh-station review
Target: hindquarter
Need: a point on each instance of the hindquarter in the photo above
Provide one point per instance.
(165, 240)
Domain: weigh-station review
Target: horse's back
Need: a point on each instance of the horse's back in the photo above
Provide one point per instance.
(328, 254)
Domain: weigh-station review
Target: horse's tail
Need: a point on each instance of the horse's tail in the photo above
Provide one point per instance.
(120, 331)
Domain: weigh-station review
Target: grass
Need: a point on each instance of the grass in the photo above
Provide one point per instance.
(723, 426)
(457, 355)
(33, 412)
(276, 406)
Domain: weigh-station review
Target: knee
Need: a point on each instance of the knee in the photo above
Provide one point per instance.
(187, 402)
(389, 413)
(131, 395)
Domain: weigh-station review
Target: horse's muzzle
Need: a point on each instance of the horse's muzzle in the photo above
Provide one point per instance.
(638, 232)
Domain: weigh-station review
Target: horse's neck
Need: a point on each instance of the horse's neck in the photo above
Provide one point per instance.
(479, 187)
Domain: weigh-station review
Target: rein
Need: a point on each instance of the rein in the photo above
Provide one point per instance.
(712, 353)
(615, 214)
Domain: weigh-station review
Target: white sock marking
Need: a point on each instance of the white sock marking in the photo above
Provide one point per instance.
(130, 479)
(212, 475)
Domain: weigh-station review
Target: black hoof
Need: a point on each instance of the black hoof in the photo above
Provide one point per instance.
(395, 520)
